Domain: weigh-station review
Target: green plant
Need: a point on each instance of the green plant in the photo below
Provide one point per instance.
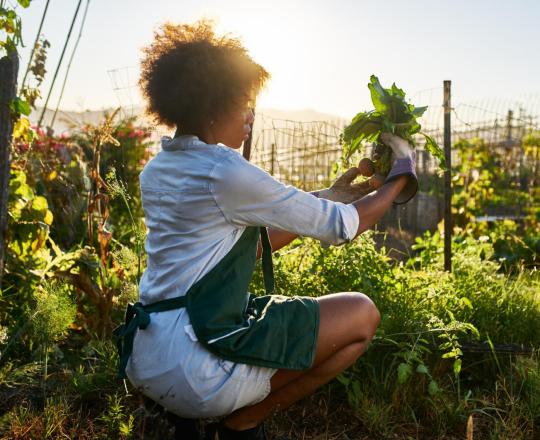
(50, 175)
(33, 259)
(473, 181)
(116, 421)
(126, 151)
(531, 149)
(488, 180)
(102, 285)
(10, 40)
(117, 189)
(55, 414)
(11, 27)
(391, 114)
(49, 322)
(27, 237)
(55, 167)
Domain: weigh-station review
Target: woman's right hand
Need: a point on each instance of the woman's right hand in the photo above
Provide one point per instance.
(404, 165)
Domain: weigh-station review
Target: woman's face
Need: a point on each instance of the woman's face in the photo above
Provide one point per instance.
(234, 128)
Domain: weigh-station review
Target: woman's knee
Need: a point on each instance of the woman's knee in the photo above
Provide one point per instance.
(366, 313)
(346, 317)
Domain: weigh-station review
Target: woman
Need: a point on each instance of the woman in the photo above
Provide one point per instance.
(201, 345)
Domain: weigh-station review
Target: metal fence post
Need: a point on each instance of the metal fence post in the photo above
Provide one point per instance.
(447, 179)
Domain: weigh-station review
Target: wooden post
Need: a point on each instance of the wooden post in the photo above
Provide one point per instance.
(272, 159)
(447, 179)
(509, 127)
(246, 151)
(9, 67)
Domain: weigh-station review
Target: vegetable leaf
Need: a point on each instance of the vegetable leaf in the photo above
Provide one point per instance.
(435, 150)
(379, 96)
(391, 113)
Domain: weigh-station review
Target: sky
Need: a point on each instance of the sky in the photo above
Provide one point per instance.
(320, 53)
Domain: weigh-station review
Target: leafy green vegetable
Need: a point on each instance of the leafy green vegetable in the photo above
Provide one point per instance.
(392, 114)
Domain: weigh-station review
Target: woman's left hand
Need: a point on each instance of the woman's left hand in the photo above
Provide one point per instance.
(344, 191)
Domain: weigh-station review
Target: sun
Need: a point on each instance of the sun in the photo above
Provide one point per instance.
(272, 39)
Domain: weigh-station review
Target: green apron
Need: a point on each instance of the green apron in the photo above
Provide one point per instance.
(270, 331)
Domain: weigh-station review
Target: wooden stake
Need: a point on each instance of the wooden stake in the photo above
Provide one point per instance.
(246, 152)
(447, 179)
(9, 67)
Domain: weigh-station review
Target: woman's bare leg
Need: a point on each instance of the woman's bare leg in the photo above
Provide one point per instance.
(348, 322)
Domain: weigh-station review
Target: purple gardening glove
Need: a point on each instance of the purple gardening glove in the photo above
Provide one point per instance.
(404, 165)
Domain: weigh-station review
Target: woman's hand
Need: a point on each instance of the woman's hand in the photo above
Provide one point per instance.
(343, 190)
(404, 165)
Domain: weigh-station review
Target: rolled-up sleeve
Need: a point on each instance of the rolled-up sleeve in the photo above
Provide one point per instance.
(249, 196)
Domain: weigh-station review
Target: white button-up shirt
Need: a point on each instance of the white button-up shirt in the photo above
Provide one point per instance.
(197, 200)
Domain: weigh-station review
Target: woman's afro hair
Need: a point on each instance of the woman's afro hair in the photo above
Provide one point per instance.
(190, 76)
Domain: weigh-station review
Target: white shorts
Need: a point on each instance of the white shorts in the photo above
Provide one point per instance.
(200, 384)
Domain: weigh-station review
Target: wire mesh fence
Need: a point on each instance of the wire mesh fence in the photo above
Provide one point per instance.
(303, 153)
(298, 153)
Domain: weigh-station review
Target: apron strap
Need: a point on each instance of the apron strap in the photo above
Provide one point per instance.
(268, 270)
(138, 316)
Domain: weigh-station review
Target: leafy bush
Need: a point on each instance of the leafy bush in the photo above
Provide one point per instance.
(56, 169)
(126, 150)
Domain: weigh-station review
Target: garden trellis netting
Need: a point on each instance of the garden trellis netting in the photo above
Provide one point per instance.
(303, 152)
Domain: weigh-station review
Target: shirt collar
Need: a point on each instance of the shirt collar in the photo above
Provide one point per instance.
(180, 142)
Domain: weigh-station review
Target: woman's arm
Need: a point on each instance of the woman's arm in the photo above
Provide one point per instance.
(373, 206)
(248, 196)
(370, 209)
(278, 239)
(342, 190)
